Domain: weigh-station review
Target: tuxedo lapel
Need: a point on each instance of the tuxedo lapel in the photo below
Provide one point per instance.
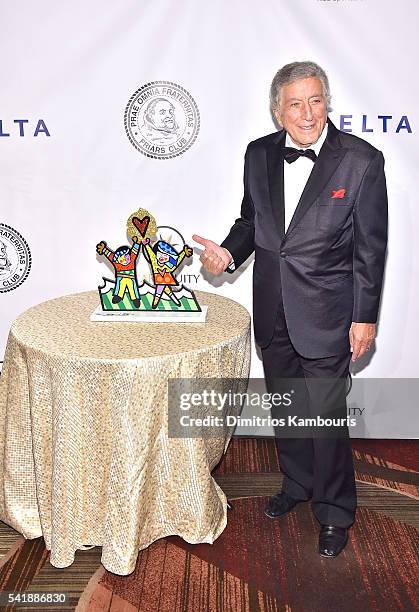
(330, 156)
(275, 168)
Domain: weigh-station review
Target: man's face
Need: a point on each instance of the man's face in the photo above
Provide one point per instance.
(164, 116)
(302, 110)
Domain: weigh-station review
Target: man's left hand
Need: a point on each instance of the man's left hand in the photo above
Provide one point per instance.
(361, 336)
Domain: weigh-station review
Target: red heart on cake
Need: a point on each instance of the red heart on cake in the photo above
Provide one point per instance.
(141, 224)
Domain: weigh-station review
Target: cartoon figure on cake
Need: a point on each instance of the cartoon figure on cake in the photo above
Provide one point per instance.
(129, 296)
(123, 260)
(164, 260)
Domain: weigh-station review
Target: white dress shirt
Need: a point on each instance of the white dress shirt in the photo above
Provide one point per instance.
(296, 175)
(295, 178)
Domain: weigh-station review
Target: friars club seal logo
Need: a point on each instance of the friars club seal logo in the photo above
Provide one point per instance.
(15, 258)
(162, 120)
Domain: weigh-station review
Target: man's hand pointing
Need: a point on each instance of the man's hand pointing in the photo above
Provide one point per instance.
(214, 258)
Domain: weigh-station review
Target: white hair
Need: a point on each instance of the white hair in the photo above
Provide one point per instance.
(293, 72)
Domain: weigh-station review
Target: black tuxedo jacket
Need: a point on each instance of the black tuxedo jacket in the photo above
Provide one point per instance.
(326, 270)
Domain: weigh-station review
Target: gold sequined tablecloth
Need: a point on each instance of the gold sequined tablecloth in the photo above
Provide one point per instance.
(84, 446)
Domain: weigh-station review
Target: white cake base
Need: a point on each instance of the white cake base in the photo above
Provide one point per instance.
(149, 316)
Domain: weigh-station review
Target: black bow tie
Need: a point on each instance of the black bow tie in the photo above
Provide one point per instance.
(292, 154)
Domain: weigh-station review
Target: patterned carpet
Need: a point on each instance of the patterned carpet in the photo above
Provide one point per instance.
(257, 564)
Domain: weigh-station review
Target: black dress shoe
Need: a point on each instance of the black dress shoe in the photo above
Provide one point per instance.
(332, 540)
(280, 504)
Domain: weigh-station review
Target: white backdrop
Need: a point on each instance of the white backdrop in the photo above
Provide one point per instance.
(75, 64)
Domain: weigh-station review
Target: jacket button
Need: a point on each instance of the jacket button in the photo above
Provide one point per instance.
(283, 254)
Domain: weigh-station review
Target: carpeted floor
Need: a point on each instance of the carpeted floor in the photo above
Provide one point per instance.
(257, 564)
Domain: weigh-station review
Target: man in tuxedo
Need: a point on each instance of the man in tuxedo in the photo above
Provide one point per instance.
(314, 212)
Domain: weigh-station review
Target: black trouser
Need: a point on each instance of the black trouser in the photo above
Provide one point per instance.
(316, 467)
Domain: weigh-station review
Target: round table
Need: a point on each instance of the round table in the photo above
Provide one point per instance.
(87, 459)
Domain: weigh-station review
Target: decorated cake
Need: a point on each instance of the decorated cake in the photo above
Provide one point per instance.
(162, 297)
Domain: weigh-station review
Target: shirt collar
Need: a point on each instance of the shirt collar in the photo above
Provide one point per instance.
(316, 146)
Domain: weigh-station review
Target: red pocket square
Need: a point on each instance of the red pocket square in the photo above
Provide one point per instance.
(340, 193)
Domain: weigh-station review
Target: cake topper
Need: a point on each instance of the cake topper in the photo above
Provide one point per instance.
(164, 250)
